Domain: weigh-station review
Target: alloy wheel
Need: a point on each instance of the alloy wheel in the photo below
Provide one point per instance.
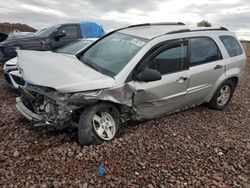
(104, 125)
(223, 95)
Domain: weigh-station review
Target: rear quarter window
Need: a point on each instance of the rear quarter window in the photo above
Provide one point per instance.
(232, 45)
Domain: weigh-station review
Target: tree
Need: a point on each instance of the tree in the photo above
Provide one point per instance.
(204, 23)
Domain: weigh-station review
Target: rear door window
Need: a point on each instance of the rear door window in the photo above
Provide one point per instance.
(203, 50)
(232, 45)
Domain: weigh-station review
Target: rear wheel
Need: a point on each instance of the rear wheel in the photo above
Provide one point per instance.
(223, 95)
(98, 123)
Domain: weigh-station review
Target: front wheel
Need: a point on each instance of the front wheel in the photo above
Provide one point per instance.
(223, 95)
(98, 123)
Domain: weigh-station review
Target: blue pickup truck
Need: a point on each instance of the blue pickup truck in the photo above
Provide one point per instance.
(50, 38)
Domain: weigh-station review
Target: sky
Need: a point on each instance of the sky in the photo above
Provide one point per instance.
(112, 14)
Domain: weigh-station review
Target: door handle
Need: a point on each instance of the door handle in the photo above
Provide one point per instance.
(218, 66)
(182, 79)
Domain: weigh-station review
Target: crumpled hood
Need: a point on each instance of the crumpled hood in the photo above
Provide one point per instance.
(63, 72)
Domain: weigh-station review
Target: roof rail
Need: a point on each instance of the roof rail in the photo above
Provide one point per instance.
(223, 28)
(168, 23)
(179, 31)
(139, 25)
(160, 23)
(189, 30)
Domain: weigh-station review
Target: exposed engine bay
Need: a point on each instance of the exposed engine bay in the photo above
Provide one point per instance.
(46, 106)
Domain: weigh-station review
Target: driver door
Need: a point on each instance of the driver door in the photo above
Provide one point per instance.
(152, 99)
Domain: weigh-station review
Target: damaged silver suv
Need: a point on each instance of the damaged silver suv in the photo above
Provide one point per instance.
(139, 72)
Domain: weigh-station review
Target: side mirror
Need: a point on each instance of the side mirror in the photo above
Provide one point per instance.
(60, 34)
(148, 75)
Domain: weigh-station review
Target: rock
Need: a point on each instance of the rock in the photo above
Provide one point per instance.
(85, 185)
(248, 146)
(16, 154)
(36, 159)
(57, 158)
(236, 184)
(243, 178)
(150, 186)
(56, 184)
(70, 153)
(108, 177)
(92, 182)
(246, 185)
(172, 179)
(44, 185)
(217, 177)
(220, 153)
(28, 157)
(248, 157)
(80, 154)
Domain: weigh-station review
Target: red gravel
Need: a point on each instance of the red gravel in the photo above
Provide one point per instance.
(198, 147)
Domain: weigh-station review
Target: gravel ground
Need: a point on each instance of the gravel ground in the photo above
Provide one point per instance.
(194, 148)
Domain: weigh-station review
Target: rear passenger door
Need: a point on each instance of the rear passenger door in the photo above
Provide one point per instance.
(206, 67)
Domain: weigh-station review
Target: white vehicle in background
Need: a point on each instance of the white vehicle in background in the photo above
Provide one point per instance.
(13, 78)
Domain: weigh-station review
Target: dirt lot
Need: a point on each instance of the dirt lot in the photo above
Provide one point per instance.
(195, 148)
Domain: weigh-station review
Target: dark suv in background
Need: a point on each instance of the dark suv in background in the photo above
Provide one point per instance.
(50, 38)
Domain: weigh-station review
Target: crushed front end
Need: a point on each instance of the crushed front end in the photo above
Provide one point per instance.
(45, 106)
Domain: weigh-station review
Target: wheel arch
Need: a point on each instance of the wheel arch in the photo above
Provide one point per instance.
(117, 105)
(235, 78)
(124, 110)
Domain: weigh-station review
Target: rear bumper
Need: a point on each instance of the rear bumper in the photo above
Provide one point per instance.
(26, 112)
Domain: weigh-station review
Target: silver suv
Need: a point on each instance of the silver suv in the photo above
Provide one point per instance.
(139, 72)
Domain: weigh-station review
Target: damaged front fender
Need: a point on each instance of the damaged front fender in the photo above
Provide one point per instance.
(120, 94)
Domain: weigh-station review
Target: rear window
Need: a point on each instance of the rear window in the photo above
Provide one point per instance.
(232, 45)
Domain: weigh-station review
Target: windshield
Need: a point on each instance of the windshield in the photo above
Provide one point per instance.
(46, 32)
(39, 31)
(74, 47)
(111, 54)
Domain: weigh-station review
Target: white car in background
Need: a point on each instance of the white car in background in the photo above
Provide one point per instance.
(13, 78)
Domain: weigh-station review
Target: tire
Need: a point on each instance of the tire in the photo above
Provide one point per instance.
(220, 101)
(90, 129)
